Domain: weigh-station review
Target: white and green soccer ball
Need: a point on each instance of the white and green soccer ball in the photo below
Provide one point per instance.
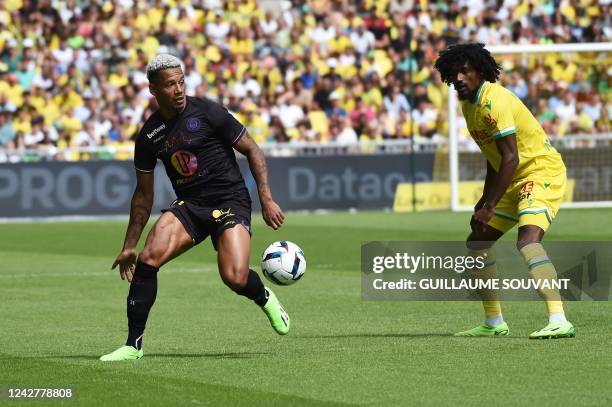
(283, 263)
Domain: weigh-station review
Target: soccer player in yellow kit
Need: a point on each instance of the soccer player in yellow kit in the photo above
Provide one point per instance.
(525, 180)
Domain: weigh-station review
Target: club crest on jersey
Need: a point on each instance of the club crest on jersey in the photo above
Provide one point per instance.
(184, 162)
(193, 124)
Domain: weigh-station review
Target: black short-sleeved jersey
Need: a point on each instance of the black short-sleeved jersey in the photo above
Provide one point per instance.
(196, 147)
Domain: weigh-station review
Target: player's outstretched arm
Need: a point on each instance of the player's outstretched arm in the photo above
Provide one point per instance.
(142, 202)
(271, 212)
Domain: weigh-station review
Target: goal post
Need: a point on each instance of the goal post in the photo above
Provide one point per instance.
(594, 148)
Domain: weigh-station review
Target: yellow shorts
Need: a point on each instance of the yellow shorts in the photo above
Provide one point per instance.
(529, 202)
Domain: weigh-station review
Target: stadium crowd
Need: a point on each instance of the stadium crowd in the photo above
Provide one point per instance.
(72, 72)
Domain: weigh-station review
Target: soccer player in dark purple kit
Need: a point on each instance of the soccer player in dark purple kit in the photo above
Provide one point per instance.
(195, 139)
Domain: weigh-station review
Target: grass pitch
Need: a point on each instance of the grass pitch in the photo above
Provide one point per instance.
(62, 308)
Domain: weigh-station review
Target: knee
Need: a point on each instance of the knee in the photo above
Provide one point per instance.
(470, 244)
(149, 257)
(475, 243)
(235, 278)
(527, 235)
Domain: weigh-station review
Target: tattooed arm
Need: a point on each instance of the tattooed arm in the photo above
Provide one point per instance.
(142, 202)
(271, 212)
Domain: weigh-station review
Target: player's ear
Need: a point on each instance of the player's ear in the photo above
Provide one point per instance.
(152, 89)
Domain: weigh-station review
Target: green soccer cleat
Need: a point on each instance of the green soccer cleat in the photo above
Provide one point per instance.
(555, 330)
(486, 330)
(123, 353)
(276, 314)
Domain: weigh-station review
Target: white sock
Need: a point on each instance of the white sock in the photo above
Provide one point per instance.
(557, 317)
(494, 321)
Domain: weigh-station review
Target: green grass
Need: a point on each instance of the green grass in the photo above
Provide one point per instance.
(62, 308)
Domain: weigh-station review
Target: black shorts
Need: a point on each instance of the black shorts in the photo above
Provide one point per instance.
(202, 221)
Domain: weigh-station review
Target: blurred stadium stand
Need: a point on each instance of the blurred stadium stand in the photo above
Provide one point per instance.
(311, 76)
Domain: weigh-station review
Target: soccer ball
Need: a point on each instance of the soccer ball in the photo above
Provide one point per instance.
(283, 263)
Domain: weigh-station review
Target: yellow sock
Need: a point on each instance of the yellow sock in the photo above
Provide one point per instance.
(541, 269)
(490, 302)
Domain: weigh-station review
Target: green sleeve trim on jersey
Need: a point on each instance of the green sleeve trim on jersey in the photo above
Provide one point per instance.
(535, 211)
(504, 133)
(505, 216)
(146, 171)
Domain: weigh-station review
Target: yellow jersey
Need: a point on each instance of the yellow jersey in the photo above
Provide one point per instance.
(497, 113)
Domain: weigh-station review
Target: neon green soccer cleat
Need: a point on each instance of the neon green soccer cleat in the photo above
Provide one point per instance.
(486, 330)
(555, 330)
(279, 319)
(123, 353)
